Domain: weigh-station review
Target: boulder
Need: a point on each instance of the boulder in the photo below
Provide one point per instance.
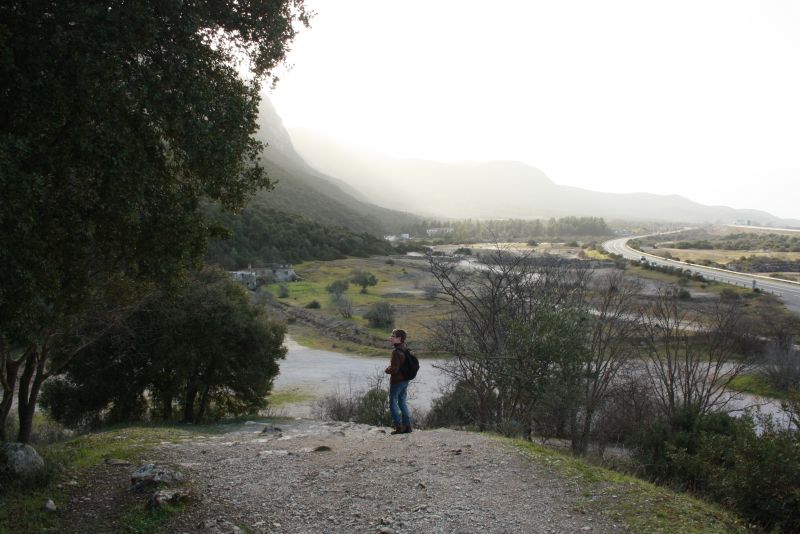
(20, 460)
(154, 476)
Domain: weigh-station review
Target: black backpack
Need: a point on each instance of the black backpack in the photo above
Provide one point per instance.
(410, 365)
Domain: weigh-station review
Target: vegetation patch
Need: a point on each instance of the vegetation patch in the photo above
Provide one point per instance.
(756, 385)
(634, 503)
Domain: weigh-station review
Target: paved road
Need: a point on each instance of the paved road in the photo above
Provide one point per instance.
(789, 292)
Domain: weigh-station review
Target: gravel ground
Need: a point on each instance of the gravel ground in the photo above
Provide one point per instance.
(365, 480)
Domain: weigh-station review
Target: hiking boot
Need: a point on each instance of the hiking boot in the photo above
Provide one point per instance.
(406, 429)
(396, 430)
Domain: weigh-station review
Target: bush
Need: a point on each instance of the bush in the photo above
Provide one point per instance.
(757, 475)
(369, 407)
(390, 261)
(283, 291)
(337, 287)
(454, 408)
(380, 315)
(313, 305)
(343, 305)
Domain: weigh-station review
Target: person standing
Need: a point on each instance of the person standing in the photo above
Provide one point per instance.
(398, 384)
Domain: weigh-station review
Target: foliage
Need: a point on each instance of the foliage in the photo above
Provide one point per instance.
(380, 315)
(454, 408)
(337, 287)
(206, 347)
(726, 459)
(259, 235)
(363, 279)
(283, 291)
(518, 335)
(115, 122)
(344, 306)
(313, 305)
(781, 364)
(368, 406)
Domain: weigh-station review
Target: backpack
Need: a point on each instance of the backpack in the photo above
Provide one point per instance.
(410, 365)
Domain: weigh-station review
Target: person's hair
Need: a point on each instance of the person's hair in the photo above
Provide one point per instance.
(399, 333)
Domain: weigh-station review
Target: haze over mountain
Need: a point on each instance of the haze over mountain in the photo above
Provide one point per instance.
(308, 192)
(496, 189)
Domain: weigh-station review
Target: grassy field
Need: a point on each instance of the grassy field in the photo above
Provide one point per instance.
(401, 283)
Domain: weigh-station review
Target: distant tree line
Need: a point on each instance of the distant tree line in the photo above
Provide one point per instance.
(512, 229)
(259, 235)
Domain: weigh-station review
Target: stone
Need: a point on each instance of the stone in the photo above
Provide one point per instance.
(218, 526)
(154, 476)
(162, 498)
(322, 448)
(49, 506)
(20, 460)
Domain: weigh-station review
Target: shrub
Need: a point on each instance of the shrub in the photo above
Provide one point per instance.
(390, 261)
(283, 291)
(757, 475)
(380, 315)
(344, 306)
(313, 305)
(337, 287)
(454, 408)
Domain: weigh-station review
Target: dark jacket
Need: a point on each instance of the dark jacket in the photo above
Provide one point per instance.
(398, 359)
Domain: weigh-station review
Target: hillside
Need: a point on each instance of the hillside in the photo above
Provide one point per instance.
(304, 191)
(498, 189)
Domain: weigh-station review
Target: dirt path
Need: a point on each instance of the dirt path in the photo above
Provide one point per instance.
(365, 480)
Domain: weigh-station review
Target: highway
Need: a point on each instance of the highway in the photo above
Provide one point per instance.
(789, 292)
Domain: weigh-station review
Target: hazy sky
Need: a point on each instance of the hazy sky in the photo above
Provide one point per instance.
(699, 98)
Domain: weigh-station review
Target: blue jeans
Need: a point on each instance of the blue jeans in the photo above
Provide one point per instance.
(397, 403)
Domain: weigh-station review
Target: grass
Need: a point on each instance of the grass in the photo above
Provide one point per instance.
(400, 284)
(756, 385)
(638, 505)
(281, 397)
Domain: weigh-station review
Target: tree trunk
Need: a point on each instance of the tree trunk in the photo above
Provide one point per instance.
(188, 405)
(29, 386)
(166, 407)
(203, 403)
(9, 388)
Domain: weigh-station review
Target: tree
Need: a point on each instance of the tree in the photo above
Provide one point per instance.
(611, 347)
(518, 335)
(203, 346)
(116, 120)
(337, 288)
(690, 361)
(363, 279)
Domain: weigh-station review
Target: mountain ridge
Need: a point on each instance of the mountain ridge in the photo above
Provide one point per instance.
(498, 189)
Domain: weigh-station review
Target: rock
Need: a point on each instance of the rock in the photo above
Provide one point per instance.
(161, 498)
(218, 526)
(153, 476)
(49, 506)
(321, 448)
(20, 460)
